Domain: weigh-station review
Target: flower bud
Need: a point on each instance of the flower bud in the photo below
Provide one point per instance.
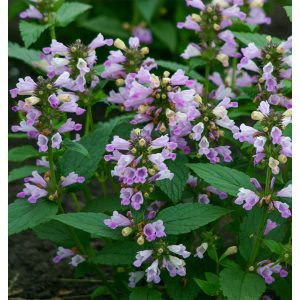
(282, 159)
(166, 73)
(196, 18)
(141, 240)
(198, 99)
(162, 128)
(120, 82)
(166, 80)
(230, 251)
(32, 100)
(126, 231)
(120, 44)
(251, 269)
(280, 49)
(224, 59)
(142, 142)
(269, 39)
(64, 97)
(209, 9)
(217, 27)
(257, 3)
(288, 113)
(137, 131)
(151, 171)
(133, 150)
(146, 195)
(265, 129)
(220, 111)
(257, 116)
(126, 26)
(170, 113)
(142, 109)
(205, 119)
(221, 132)
(160, 250)
(144, 51)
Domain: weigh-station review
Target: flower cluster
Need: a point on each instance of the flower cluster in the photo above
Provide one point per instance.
(267, 268)
(210, 24)
(62, 253)
(249, 198)
(37, 187)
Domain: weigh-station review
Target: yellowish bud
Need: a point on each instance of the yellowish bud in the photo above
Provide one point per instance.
(142, 109)
(251, 268)
(126, 231)
(146, 195)
(163, 96)
(282, 159)
(224, 59)
(196, 18)
(198, 99)
(142, 142)
(257, 116)
(162, 128)
(265, 129)
(165, 80)
(120, 44)
(230, 251)
(269, 39)
(133, 150)
(280, 49)
(151, 171)
(32, 100)
(64, 97)
(209, 9)
(217, 27)
(141, 240)
(169, 113)
(120, 82)
(257, 3)
(205, 119)
(160, 250)
(144, 51)
(137, 131)
(288, 113)
(166, 74)
(49, 86)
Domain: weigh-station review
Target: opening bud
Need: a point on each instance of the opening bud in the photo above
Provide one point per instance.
(151, 171)
(160, 250)
(120, 82)
(224, 59)
(196, 18)
(165, 80)
(64, 97)
(32, 100)
(169, 113)
(137, 131)
(257, 3)
(142, 142)
(162, 128)
(141, 240)
(257, 116)
(198, 99)
(144, 51)
(280, 49)
(120, 44)
(142, 109)
(282, 159)
(288, 113)
(126, 231)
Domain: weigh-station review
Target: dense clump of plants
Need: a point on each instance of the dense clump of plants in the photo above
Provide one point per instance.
(194, 168)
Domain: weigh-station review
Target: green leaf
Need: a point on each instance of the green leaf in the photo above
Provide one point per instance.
(207, 287)
(288, 10)
(145, 293)
(174, 188)
(106, 205)
(147, 8)
(175, 66)
(288, 130)
(106, 25)
(89, 222)
(77, 147)
(59, 233)
(69, 11)
(100, 291)
(165, 31)
(24, 171)
(22, 153)
(183, 218)
(239, 285)
(94, 143)
(177, 289)
(274, 246)
(225, 179)
(23, 215)
(30, 32)
(283, 287)
(122, 253)
(259, 39)
(29, 56)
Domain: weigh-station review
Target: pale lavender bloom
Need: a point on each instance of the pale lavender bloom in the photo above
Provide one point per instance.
(137, 200)
(56, 140)
(149, 232)
(248, 64)
(76, 260)
(43, 162)
(153, 272)
(159, 228)
(251, 51)
(196, 4)
(257, 16)
(69, 125)
(71, 179)
(99, 41)
(270, 226)
(126, 194)
(189, 23)
(180, 250)
(117, 220)
(276, 134)
(141, 257)
(143, 34)
(135, 277)
(282, 208)
(42, 143)
(178, 78)
(192, 50)
(285, 192)
(214, 190)
(259, 143)
(153, 208)
(62, 253)
(266, 269)
(175, 266)
(246, 197)
(33, 192)
(201, 250)
(203, 198)
(197, 131)
(31, 13)
(192, 181)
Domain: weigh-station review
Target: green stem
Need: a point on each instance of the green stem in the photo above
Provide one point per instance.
(75, 199)
(52, 32)
(107, 284)
(262, 223)
(89, 123)
(206, 83)
(87, 194)
(234, 64)
(52, 170)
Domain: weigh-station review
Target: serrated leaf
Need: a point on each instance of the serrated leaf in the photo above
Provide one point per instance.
(177, 289)
(24, 171)
(174, 188)
(147, 8)
(30, 32)
(69, 11)
(59, 233)
(94, 143)
(183, 218)
(288, 131)
(145, 293)
(175, 66)
(106, 205)
(29, 56)
(225, 179)
(89, 222)
(22, 153)
(77, 147)
(207, 287)
(166, 33)
(239, 285)
(106, 25)
(23, 215)
(257, 38)
(288, 10)
(122, 253)
(274, 246)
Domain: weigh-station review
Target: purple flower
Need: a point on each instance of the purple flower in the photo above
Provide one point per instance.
(282, 208)
(56, 140)
(247, 198)
(76, 260)
(71, 179)
(266, 269)
(203, 198)
(143, 34)
(62, 253)
(137, 200)
(153, 272)
(201, 250)
(180, 250)
(141, 257)
(42, 143)
(270, 226)
(117, 220)
(135, 277)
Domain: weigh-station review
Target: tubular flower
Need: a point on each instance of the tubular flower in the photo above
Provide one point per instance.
(266, 269)
(62, 253)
